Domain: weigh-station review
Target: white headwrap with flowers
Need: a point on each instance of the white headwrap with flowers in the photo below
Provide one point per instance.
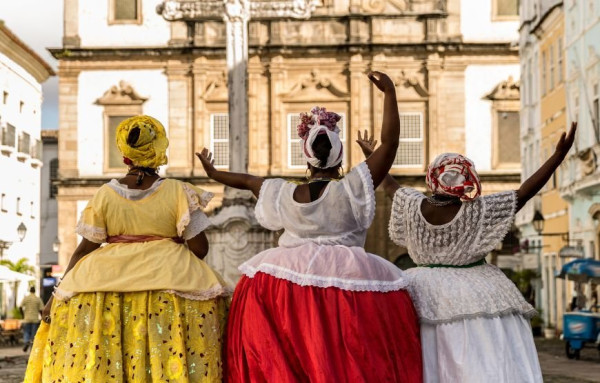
(320, 121)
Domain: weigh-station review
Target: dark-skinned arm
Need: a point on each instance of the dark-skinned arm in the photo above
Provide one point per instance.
(381, 160)
(198, 245)
(85, 247)
(235, 180)
(536, 182)
(367, 144)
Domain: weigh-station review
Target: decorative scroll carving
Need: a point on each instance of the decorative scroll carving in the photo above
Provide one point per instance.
(403, 6)
(210, 9)
(124, 94)
(311, 88)
(411, 82)
(508, 90)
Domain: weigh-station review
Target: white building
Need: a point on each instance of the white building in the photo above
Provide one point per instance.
(21, 73)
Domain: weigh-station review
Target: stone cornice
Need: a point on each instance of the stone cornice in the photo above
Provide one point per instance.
(23, 55)
(448, 48)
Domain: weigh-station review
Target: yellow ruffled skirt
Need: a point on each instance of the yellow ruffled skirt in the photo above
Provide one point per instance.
(149, 336)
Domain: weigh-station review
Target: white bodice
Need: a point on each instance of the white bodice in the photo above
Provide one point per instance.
(443, 294)
(341, 216)
(322, 244)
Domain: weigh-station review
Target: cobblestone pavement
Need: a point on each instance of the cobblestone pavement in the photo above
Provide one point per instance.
(555, 366)
(13, 362)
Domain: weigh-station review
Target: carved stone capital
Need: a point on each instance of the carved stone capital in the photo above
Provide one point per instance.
(234, 10)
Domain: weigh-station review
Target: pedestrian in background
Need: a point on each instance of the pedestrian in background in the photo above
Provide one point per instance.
(31, 308)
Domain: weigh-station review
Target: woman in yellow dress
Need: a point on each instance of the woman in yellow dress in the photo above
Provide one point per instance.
(136, 303)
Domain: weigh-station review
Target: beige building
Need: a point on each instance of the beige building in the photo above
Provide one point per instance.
(120, 58)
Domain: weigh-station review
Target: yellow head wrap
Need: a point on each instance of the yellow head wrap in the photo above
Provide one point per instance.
(149, 150)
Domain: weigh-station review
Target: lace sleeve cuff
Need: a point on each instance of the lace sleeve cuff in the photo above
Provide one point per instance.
(198, 223)
(270, 193)
(397, 227)
(91, 233)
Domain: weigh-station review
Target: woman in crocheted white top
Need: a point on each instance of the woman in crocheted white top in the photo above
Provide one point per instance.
(318, 308)
(474, 321)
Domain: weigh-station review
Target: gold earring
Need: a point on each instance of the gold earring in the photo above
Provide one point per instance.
(306, 174)
(341, 172)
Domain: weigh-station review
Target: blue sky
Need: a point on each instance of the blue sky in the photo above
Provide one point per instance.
(39, 23)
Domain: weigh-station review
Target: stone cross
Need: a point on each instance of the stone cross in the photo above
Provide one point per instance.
(236, 14)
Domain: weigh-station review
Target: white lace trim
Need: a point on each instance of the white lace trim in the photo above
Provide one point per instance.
(134, 194)
(509, 311)
(91, 233)
(443, 295)
(365, 175)
(323, 281)
(259, 209)
(198, 223)
(195, 202)
(488, 239)
(204, 295)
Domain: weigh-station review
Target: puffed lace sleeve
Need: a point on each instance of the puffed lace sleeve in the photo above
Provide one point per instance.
(192, 220)
(498, 214)
(92, 223)
(359, 187)
(267, 207)
(397, 227)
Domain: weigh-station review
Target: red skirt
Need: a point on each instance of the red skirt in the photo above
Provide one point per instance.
(281, 332)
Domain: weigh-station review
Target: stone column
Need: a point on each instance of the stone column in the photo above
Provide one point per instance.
(71, 24)
(68, 83)
(180, 119)
(236, 20)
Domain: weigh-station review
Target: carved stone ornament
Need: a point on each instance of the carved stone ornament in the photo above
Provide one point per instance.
(411, 82)
(508, 90)
(195, 10)
(216, 89)
(588, 161)
(124, 94)
(315, 88)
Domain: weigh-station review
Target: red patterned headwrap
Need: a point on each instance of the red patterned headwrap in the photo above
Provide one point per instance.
(454, 175)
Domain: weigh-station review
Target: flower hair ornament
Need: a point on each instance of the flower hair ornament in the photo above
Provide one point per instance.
(454, 175)
(319, 121)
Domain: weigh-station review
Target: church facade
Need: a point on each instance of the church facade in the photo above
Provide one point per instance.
(454, 64)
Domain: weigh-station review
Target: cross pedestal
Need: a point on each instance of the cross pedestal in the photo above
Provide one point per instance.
(235, 235)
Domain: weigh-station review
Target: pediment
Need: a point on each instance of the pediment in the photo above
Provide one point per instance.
(315, 88)
(122, 94)
(410, 87)
(509, 90)
(216, 90)
(593, 57)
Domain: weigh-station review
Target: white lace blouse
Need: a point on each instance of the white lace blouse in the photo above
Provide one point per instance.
(443, 294)
(322, 244)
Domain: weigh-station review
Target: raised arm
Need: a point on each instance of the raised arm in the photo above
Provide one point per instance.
(533, 184)
(235, 180)
(381, 160)
(367, 144)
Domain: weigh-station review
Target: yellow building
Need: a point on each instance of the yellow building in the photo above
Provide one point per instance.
(550, 32)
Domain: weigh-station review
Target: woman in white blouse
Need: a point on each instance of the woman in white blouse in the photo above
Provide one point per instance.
(474, 321)
(318, 308)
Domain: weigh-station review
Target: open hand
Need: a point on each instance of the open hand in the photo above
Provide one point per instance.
(382, 81)
(206, 158)
(367, 143)
(566, 140)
